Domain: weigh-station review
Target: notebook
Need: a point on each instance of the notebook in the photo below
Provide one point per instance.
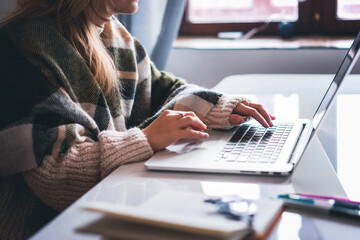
(174, 214)
(250, 148)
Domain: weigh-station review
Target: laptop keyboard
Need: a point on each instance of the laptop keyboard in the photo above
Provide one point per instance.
(256, 144)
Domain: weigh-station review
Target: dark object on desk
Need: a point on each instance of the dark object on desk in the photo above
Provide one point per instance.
(286, 29)
(235, 208)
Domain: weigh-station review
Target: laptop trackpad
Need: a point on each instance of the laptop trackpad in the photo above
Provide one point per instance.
(185, 146)
(189, 145)
(189, 149)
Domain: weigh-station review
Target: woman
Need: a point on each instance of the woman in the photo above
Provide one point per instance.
(81, 98)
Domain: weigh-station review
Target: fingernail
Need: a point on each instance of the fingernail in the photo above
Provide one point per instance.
(240, 119)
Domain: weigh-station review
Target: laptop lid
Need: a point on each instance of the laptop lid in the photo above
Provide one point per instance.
(344, 69)
(328, 99)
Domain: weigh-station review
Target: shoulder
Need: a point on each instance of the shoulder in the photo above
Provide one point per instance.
(22, 84)
(35, 37)
(30, 27)
(15, 64)
(10, 55)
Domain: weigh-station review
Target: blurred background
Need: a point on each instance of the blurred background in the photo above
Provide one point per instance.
(313, 36)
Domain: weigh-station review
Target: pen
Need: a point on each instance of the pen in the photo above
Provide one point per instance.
(331, 206)
(326, 197)
(338, 202)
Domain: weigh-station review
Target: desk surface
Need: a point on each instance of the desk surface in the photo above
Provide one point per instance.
(132, 184)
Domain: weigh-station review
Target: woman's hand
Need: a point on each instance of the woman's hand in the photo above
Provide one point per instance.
(245, 110)
(172, 126)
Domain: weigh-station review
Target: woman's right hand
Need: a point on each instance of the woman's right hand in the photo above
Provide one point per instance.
(172, 126)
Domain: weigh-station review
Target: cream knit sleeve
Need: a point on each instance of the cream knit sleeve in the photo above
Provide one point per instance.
(59, 182)
(218, 116)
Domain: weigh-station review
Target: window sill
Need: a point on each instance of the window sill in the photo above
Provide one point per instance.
(263, 42)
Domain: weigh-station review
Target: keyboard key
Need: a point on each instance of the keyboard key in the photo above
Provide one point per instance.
(256, 144)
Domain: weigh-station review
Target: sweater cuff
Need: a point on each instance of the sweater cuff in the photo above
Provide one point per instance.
(118, 148)
(218, 117)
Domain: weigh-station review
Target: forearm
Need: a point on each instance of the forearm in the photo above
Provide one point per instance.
(59, 182)
(218, 116)
(213, 108)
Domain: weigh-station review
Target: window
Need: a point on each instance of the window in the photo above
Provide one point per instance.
(220, 11)
(208, 17)
(348, 10)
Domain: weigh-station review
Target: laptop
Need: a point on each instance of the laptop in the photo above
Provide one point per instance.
(251, 148)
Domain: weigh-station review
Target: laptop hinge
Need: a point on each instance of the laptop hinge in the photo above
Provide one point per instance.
(296, 144)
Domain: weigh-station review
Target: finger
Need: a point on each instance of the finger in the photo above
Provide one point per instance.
(193, 122)
(192, 134)
(181, 114)
(173, 114)
(186, 113)
(245, 108)
(192, 114)
(263, 112)
(246, 103)
(241, 107)
(250, 111)
(236, 119)
(189, 113)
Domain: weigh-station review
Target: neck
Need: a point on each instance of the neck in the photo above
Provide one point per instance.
(100, 22)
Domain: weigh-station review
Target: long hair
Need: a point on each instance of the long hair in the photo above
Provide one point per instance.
(72, 19)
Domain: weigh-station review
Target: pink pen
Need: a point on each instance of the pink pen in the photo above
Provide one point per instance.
(313, 196)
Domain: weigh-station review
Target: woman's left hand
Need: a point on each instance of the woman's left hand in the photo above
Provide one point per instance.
(246, 110)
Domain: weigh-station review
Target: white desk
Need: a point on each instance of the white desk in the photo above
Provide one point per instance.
(132, 184)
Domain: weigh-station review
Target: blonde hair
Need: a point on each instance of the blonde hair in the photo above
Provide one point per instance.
(72, 18)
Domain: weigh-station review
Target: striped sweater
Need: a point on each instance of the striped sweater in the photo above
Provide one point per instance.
(59, 135)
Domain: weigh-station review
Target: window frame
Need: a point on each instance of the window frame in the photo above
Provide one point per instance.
(313, 19)
(332, 26)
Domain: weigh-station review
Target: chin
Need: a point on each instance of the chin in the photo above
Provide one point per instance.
(130, 7)
(134, 8)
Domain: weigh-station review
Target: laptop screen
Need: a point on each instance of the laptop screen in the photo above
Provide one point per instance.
(345, 68)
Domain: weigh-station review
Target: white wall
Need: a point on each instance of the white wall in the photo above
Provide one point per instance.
(207, 67)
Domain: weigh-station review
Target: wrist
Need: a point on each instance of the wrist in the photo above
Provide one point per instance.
(148, 135)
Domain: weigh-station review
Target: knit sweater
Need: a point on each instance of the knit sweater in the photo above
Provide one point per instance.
(59, 135)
